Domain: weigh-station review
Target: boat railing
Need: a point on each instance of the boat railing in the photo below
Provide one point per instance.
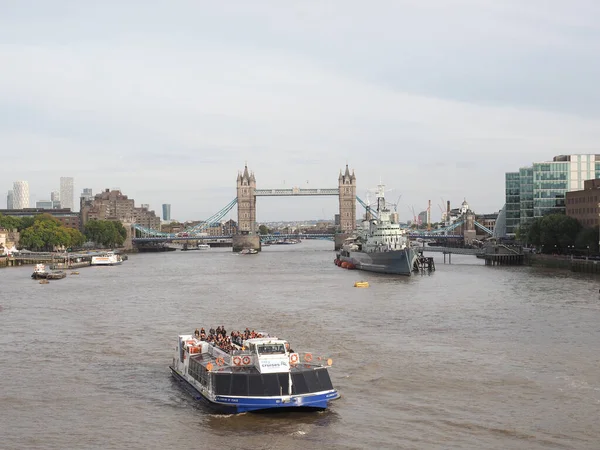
(312, 359)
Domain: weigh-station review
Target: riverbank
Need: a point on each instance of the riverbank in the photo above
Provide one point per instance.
(564, 262)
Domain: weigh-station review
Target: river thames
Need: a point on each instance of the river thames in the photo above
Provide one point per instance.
(468, 357)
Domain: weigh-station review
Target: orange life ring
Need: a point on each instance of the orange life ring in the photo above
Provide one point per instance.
(220, 361)
(237, 360)
(246, 360)
(294, 358)
(308, 357)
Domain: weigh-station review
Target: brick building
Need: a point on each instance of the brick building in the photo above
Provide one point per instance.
(583, 205)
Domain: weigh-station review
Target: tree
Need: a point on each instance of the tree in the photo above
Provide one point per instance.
(262, 229)
(553, 233)
(46, 233)
(107, 233)
(10, 222)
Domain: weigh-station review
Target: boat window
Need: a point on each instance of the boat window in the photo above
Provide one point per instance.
(270, 349)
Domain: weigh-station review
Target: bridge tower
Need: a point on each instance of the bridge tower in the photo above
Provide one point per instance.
(246, 202)
(347, 187)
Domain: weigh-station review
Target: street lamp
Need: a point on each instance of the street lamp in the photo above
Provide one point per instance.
(588, 252)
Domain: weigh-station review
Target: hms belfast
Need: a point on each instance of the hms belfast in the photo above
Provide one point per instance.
(380, 245)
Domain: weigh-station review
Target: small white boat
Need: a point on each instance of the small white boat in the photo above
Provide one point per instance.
(203, 247)
(107, 259)
(248, 251)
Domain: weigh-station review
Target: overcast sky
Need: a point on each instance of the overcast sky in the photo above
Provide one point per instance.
(167, 100)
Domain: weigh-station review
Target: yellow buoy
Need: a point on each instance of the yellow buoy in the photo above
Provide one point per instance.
(361, 284)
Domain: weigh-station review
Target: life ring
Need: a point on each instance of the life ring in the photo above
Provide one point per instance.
(294, 358)
(308, 357)
(246, 360)
(220, 361)
(237, 360)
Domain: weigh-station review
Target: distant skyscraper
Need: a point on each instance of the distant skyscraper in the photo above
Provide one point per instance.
(66, 192)
(87, 195)
(20, 195)
(166, 211)
(55, 196)
(9, 200)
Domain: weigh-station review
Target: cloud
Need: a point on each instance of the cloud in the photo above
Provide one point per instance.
(168, 101)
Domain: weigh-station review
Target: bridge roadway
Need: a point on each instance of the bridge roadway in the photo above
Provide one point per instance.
(453, 250)
(227, 238)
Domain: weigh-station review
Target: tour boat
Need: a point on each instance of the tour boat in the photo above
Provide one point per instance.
(107, 259)
(259, 374)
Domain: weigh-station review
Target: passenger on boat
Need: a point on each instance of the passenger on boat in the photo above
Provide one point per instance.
(197, 333)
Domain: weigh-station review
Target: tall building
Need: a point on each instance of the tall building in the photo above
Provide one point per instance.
(20, 195)
(166, 212)
(422, 218)
(55, 196)
(541, 189)
(66, 192)
(9, 200)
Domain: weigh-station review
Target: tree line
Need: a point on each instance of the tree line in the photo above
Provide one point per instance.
(558, 233)
(44, 232)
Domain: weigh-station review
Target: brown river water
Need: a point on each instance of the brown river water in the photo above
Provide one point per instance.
(468, 357)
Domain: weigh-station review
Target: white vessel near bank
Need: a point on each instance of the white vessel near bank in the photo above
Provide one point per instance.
(107, 259)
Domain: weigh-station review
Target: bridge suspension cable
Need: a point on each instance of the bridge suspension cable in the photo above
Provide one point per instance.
(215, 218)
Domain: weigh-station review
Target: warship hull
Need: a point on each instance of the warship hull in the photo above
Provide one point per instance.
(398, 262)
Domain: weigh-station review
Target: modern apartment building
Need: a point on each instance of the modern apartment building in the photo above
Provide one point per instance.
(541, 188)
(166, 212)
(20, 195)
(9, 200)
(66, 193)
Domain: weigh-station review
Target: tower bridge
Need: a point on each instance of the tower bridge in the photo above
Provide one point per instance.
(247, 234)
(247, 193)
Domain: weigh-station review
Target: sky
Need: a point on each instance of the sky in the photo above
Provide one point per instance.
(167, 100)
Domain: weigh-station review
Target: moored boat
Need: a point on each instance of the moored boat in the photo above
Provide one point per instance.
(107, 259)
(39, 272)
(381, 245)
(251, 374)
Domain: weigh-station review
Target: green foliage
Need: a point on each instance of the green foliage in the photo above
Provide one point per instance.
(20, 223)
(588, 237)
(262, 229)
(107, 233)
(46, 233)
(551, 233)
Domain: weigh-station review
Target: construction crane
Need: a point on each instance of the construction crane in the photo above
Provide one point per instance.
(412, 208)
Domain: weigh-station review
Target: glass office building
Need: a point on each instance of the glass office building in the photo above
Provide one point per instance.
(540, 189)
